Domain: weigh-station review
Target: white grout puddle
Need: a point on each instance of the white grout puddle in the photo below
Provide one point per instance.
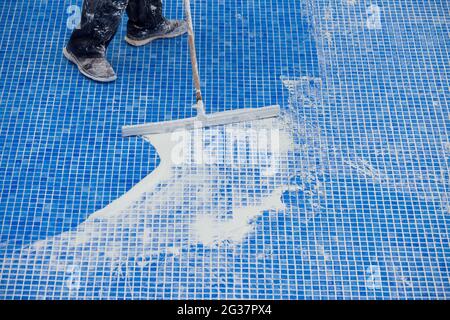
(208, 196)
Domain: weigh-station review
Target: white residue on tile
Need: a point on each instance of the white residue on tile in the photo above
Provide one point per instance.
(208, 230)
(373, 277)
(176, 207)
(164, 145)
(373, 21)
(365, 168)
(350, 2)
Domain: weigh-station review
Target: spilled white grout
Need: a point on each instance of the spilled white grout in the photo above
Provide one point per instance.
(177, 206)
(208, 230)
(164, 145)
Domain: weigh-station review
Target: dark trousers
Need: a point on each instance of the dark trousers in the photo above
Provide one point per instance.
(100, 20)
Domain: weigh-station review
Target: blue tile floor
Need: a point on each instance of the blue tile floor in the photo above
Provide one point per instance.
(364, 88)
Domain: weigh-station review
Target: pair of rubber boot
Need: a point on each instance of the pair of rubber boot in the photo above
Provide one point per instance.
(99, 23)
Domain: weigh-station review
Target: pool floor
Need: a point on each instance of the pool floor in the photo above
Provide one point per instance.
(364, 90)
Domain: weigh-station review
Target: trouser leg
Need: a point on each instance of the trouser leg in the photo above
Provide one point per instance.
(144, 15)
(99, 23)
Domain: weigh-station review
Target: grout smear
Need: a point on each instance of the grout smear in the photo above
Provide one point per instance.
(172, 216)
(208, 230)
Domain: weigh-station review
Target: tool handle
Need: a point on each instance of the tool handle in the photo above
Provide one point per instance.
(193, 53)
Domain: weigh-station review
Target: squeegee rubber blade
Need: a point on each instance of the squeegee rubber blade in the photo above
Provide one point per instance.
(215, 119)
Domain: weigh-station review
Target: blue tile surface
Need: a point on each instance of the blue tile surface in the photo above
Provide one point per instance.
(369, 77)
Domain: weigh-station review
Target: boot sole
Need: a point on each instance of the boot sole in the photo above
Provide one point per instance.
(140, 43)
(69, 56)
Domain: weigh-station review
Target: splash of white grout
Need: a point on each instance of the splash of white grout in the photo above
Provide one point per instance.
(208, 230)
(175, 207)
(164, 145)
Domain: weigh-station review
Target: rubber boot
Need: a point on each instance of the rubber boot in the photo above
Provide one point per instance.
(88, 43)
(146, 23)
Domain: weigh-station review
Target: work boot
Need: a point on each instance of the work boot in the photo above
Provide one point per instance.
(137, 36)
(97, 68)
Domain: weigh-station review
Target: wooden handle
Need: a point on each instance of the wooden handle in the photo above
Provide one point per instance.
(193, 53)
